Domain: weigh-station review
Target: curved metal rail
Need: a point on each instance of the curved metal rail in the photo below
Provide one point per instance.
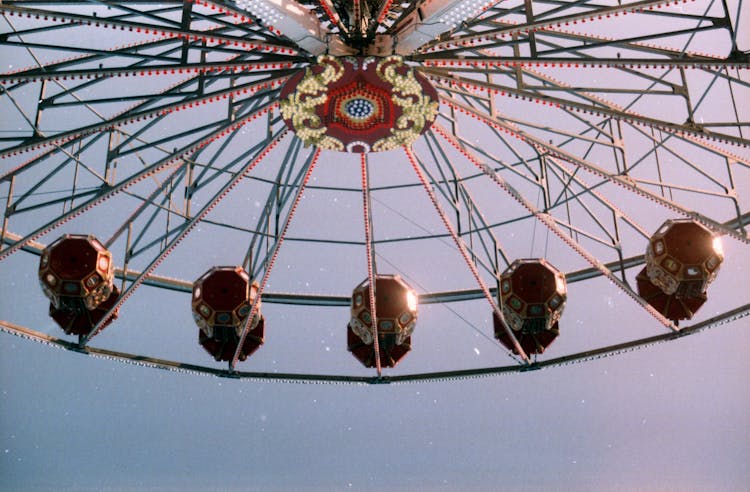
(176, 366)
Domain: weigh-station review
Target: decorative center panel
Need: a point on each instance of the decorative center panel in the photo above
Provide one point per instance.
(358, 104)
(359, 109)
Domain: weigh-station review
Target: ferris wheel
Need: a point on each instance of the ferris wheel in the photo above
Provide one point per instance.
(419, 175)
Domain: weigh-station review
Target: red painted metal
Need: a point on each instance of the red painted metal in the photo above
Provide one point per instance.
(395, 321)
(76, 273)
(683, 257)
(532, 342)
(391, 353)
(533, 295)
(671, 306)
(223, 345)
(222, 300)
(81, 322)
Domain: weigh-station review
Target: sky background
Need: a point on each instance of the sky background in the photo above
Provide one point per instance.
(673, 417)
(664, 418)
(669, 417)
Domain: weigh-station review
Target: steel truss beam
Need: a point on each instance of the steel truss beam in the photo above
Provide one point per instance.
(192, 54)
(580, 357)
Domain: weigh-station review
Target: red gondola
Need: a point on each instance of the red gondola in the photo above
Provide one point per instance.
(222, 300)
(532, 295)
(682, 259)
(396, 313)
(77, 275)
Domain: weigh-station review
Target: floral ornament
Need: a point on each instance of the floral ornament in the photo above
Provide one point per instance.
(419, 110)
(358, 104)
(299, 106)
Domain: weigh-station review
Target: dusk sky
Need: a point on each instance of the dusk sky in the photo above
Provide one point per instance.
(668, 417)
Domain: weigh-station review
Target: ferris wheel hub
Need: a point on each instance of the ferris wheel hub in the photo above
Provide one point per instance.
(358, 104)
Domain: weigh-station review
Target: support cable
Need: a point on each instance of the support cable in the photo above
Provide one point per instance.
(188, 227)
(371, 271)
(151, 170)
(624, 181)
(462, 248)
(256, 302)
(550, 223)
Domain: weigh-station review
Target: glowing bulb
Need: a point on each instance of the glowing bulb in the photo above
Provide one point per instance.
(560, 284)
(718, 248)
(411, 300)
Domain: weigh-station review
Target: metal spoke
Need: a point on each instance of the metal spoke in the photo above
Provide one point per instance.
(595, 119)
(462, 248)
(309, 166)
(184, 231)
(371, 269)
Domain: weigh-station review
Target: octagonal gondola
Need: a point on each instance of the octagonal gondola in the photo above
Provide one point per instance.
(77, 275)
(682, 258)
(532, 296)
(396, 316)
(222, 300)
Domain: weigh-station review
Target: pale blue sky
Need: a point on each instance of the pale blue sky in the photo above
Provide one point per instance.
(673, 417)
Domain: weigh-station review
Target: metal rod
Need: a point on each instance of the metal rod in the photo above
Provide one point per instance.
(371, 272)
(462, 248)
(266, 274)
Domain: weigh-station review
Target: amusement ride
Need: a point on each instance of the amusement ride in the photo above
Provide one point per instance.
(506, 158)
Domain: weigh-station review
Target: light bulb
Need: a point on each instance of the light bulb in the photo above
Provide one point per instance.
(411, 300)
(718, 247)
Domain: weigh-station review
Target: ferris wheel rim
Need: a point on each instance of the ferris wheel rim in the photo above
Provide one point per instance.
(300, 60)
(423, 377)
